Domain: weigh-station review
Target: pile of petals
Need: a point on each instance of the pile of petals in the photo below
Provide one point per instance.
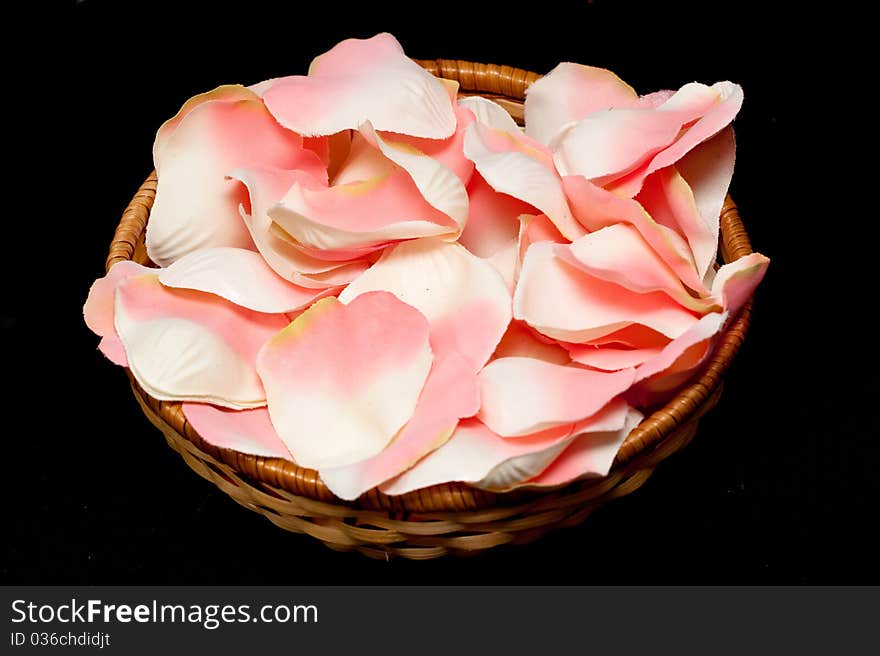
(366, 274)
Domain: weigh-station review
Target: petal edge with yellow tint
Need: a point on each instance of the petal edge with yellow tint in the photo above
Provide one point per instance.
(571, 92)
(736, 281)
(710, 123)
(185, 345)
(596, 208)
(342, 380)
(223, 93)
(619, 254)
(513, 164)
(439, 185)
(265, 188)
(581, 307)
(362, 80)
(197, 205)
(359, 214)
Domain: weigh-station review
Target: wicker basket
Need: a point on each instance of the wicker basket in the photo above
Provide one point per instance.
(450, 518)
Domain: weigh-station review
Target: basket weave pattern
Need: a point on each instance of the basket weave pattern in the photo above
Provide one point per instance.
(452, 518)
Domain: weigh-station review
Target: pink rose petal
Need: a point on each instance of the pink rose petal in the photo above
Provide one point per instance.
(450, 393)
(247, 431)
(342, 380)
(583, 307)
(571, 92)
(713, 121)
(735, 282)
(708, 170)
(362, 80)
(520, 341)
(240, 276)
(588, 454)
(197, 205)
(492, 220)
(489, 113)
(620, 255)
(513, 164)
(526, 395)
(463, 297)
(440, 185)
(98, 310)
(596, 208)
(475, 454)
(288, 259)
(357, 215)
(185, 345)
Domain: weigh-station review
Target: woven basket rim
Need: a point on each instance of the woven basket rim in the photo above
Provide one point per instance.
(506, 84)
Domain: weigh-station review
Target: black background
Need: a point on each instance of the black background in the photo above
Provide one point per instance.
(780, 485)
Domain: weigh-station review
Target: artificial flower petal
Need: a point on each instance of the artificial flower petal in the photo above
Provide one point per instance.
(361, 80)
(620, 255)
(506, 262)
(247, 431)
(450, 393)
(534, 228)
(185, 345)
(363, 162)
(736, 281)
(608, 144)
(288, 259)
(489, 113)
(477, 455)
(708, 170)
(463, 296)
(492, 220)
(624, 348)
(197, 205)
(704, 329)
(342, 380)
(571, 92)
(240, 276)
(260, 88)
(613, 142)
(514, 164)
(438, 184)
(98, 310)
(526, 395)
(718, 117)
(223, 93)
(588, 454)
(714, 120)
(447, 152)
(113, 350)
(357, 215)
(520, 341)
(670, 201)
(607, 358)
(583, 307)
(596, 208)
